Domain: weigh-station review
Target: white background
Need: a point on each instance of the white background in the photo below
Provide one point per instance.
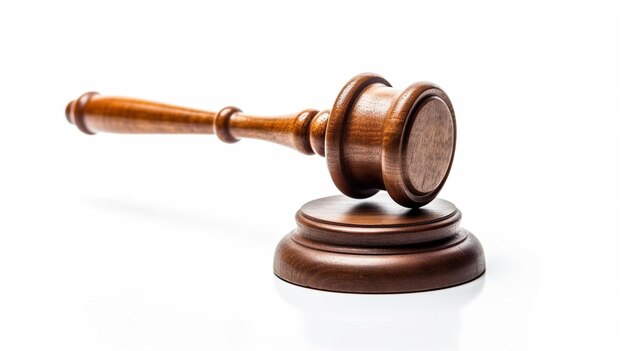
(117, 242)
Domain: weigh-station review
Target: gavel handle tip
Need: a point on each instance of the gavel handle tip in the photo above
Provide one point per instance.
(74, 112)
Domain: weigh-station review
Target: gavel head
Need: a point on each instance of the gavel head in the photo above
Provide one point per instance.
(380, 138)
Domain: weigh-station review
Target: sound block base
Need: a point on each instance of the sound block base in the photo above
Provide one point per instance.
(375, 246)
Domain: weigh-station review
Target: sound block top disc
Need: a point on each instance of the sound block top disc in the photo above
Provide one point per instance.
(377, 221)
(376, 246)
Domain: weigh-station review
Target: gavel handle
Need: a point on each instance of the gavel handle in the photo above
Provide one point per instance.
(92, 112)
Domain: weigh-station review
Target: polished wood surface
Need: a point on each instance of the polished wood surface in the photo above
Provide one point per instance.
(374, 246)
(374, 138)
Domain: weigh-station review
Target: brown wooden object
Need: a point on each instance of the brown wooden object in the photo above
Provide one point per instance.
(374, 246)
(374, 138)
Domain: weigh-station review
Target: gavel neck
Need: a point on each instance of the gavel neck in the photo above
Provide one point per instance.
(304, 131)
(92, 113)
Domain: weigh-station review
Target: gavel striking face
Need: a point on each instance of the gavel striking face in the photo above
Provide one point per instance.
(374, 138)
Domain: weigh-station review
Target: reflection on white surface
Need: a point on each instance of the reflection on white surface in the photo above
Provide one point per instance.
(338, 321)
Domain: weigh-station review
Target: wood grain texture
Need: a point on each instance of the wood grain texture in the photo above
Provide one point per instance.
(373, 246)
(374, 138)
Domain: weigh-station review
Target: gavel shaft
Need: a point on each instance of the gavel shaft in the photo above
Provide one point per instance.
(92, 113)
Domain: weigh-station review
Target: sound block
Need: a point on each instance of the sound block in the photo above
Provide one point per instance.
(375, 246)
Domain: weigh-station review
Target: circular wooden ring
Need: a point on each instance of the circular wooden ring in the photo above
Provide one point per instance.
(221, 124)
(339, 116)
(302, 126)
(75, 111)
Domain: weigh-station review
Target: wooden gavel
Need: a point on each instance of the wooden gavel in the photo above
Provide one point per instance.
(374, 138)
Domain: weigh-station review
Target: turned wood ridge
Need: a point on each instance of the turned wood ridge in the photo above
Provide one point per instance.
(374, 138)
